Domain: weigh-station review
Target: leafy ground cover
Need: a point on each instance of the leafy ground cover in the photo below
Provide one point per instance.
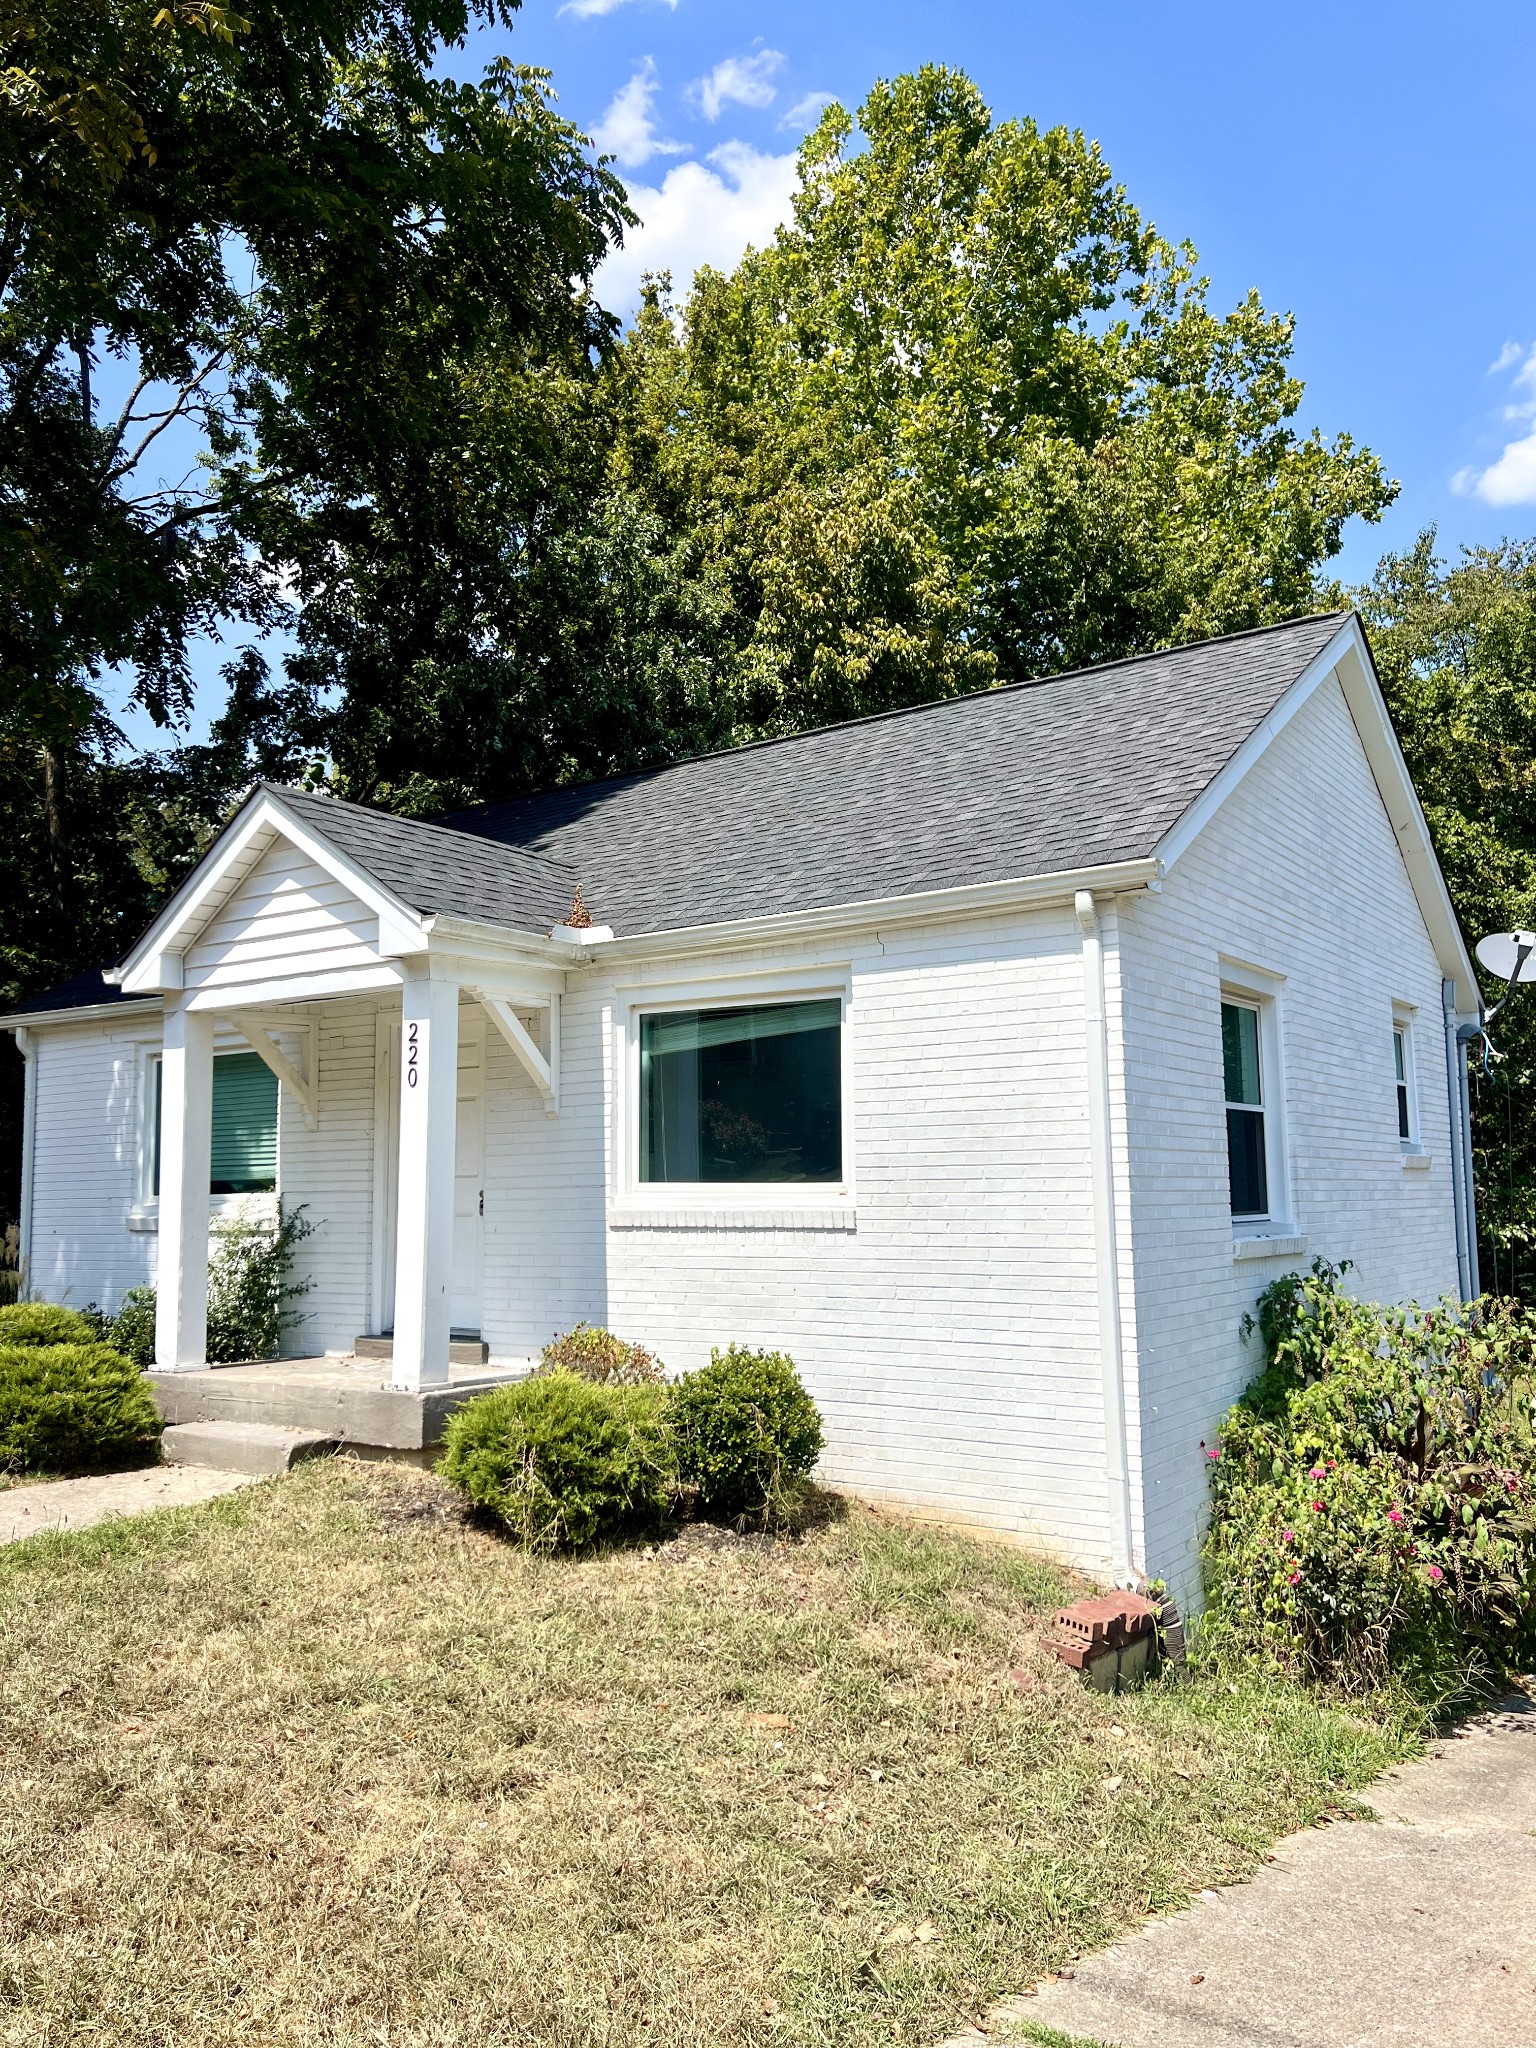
(323, 1763)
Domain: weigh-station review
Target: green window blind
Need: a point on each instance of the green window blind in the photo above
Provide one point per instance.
(244, 1126)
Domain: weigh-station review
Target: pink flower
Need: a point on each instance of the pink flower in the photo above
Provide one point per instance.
(1316, 1472)
(1213, 1456)
(1287, 1535)
(1394, 1514)
(1435, 1574)
(1331, 1463)
(1294, 1579)
(1317, 1507)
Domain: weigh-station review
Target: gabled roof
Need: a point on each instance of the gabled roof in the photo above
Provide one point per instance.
(435, 869)
(1075, 771)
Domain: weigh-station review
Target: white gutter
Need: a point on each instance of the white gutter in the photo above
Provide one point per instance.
(925, 906)
(28, 1052)
(1106, 1249)
(80, 1013)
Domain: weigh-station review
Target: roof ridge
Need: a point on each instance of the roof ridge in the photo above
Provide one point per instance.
(893, 712)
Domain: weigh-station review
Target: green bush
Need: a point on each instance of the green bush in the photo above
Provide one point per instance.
(596, 1354)
(562, 1461)
(67, 1405)
(1374, 1492)
(746, 1433)
(251, 1291)
(132, 1329)
(42, 1322)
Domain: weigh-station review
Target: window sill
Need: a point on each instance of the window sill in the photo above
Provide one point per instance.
(1272, 1244)
(144, 1216)
(1415, 1159)
(842, 1216)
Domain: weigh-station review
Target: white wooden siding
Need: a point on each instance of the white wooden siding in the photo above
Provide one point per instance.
(287, 915)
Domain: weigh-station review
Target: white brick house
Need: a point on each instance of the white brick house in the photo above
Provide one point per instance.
(988, 1057)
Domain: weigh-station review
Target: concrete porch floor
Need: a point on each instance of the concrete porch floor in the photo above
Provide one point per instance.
(344, 1398)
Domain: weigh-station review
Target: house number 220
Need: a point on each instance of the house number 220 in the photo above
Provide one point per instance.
(412, 1054)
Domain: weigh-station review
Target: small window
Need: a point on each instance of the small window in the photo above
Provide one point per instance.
(1400, 1071)
(244, 1152)
(1247, 1163)
(748, 1094)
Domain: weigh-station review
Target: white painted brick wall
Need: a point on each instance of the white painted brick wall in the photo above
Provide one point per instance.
(1299, 874)
(949, 1329)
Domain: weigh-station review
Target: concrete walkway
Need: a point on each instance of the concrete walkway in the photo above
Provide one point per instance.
(78, 1503)
(1418, 1931)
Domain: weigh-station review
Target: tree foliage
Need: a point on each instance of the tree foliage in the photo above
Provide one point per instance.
(1456, 649)
(970, 418)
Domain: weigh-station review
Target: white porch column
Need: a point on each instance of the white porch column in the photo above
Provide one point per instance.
(186, 1164)
(429, 1089)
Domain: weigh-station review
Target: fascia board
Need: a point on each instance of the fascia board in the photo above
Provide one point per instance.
(1389, 767)
(473, 936)
(148, 966)
(930, 906)
(1178, 840)
(1348, 655)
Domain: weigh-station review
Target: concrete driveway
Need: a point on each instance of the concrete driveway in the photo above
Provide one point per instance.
(1415, 1931)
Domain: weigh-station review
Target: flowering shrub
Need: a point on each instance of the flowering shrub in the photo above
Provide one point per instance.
(596, 1354)
(1374, 1491)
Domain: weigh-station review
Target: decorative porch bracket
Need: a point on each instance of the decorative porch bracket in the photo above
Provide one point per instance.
(543, 1073)
(258, 1037)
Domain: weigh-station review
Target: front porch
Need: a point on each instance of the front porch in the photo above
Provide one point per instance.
(349, 1401)
(280, 924)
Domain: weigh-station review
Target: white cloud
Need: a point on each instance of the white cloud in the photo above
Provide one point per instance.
(627, 130)
(804, 114)
(1511, 479)
(737, 81)
(585, 9)
(700, 213)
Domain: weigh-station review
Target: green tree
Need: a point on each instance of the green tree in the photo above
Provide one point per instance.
(969, 418)
(1456, 649)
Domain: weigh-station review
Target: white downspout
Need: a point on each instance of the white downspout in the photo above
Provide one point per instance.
(1106, 1253)
(1469, 1182)
(28, 1051)
(1455, 1059)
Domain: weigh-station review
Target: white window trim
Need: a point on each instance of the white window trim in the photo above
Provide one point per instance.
(1414, 1155)
(144, 1210)
(1263, 991)
(766, 1204)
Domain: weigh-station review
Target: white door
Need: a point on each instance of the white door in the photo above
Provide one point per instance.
(468, 1178)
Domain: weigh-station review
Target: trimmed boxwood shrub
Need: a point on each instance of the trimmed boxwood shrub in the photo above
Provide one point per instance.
(42, 1322)
(561, 1461)
(63, 1406)
(746, 1432)
(1374, 1493)
(593, 1353)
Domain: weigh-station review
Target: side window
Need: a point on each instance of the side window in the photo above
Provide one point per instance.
(244, 1158)
(1403, 1084)
(1247, 1148)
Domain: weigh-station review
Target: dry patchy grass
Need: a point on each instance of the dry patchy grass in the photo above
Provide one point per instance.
(321, 1764)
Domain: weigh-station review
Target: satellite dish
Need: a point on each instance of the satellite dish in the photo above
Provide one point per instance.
(1509, 955)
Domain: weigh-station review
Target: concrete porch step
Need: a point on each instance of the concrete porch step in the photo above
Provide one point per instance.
(258, 1447)
(461, 1350)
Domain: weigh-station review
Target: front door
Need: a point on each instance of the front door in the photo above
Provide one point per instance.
(468, 1178)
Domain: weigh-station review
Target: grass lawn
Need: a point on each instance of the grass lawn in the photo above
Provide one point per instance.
(318, 1763)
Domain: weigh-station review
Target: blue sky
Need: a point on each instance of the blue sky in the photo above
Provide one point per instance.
(1370, 167)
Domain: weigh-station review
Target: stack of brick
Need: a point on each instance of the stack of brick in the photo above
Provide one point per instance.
(1112, 1640)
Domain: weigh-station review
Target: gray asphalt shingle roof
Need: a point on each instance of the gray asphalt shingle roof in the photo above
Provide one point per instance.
(1073, 771)
(431, 868)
